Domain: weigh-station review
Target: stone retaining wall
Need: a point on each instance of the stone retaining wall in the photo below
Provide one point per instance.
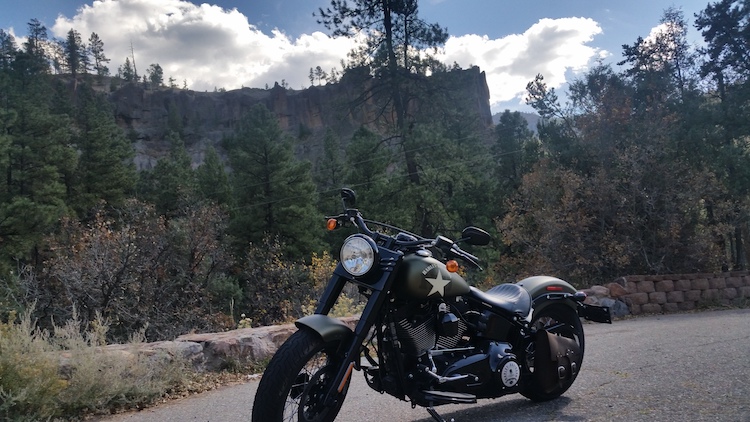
(675, 292)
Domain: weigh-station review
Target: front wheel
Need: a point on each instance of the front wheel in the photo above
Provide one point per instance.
(561, 320)
(294, 385)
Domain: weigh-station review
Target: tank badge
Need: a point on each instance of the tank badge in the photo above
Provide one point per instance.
(438, 284)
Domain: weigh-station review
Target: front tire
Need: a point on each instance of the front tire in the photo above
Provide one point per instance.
(295, 382)
(561, 320)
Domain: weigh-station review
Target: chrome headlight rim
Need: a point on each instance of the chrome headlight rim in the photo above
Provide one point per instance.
(359, 255)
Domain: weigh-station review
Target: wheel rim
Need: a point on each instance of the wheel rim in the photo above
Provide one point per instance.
(304, 399)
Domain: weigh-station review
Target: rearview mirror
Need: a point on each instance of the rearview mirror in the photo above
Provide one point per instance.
(348, 197)
(475, 236)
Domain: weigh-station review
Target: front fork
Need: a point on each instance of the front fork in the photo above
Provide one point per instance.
(380, 289)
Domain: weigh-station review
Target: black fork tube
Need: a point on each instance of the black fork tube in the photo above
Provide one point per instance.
(333, 290)
(380, 293)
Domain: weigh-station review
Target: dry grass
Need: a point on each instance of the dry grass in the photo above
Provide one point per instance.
(65, 374)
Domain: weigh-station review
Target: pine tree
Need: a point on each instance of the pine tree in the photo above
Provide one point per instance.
(274, 192)
(105, 170)
(127, 72)
(74, 53)
(96, 48)
(171, 185)
(155, 75)
(213, 181)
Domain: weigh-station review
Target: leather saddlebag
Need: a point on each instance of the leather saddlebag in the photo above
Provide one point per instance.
(556, 360)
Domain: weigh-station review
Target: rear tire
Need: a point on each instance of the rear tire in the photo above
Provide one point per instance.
(293, 385)
(562, 320)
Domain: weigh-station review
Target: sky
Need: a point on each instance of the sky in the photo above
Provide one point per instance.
(253, 43)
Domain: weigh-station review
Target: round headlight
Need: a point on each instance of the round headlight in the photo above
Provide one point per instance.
(358, 254)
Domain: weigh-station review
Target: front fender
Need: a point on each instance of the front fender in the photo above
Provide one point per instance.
(541, 285)
(329, 329)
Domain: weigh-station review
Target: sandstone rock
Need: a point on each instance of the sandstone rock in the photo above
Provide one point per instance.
(616, 290)
(686, 306)
(657, 297)
(651, 308)
(699, 284)
(682, 285)
(245, 344)
(599, 291)
(693, 295)
(646, 286)
(675, 296)
(729, 293)
(636, 298)
(664, 286)
(671, 307)
(717, 283)
(735, 282)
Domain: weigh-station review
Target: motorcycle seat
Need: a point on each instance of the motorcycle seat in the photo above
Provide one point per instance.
(509, 297)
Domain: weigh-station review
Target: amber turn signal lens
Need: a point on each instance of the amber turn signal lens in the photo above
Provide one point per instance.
(452, 266)
(331, 224)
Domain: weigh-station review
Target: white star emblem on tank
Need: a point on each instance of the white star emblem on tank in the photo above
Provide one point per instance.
(438, 284)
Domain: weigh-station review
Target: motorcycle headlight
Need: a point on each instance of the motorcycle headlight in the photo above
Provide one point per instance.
(359, 254)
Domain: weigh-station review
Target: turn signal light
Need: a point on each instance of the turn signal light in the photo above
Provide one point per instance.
(452, 266)
(332, 224)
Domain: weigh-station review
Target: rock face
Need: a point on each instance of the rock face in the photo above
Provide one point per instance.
(205, 118)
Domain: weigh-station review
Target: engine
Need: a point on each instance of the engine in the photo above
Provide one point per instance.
(425, 330)
(444, 354)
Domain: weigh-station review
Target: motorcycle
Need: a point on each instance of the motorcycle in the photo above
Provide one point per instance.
(425, 335)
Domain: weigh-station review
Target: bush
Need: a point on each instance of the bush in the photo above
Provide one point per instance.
(67, 374)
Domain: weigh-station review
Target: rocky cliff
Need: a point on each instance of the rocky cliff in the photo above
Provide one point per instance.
(204, 118)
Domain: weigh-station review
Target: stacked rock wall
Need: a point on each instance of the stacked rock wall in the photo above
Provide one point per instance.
(675, 292)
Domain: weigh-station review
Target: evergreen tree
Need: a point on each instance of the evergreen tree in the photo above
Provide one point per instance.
(37, 60)
(515, 150)
(40, 159)
(75, 53)
(127, 72)
(105, 169)
(96, 48)
(396, 39)
(213, 181)
(274, 193)
(7, 50)
(171, 185)
(155, 75)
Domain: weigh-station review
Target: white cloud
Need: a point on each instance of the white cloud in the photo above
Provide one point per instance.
(206, 45)
(550, 47)
(209, 46)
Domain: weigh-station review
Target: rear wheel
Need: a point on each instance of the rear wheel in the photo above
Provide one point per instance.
(561, 320)
(294, 385)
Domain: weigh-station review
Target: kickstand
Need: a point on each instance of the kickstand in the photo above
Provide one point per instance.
(435, 415)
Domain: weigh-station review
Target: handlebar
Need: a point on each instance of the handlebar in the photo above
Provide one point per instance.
(447, 246)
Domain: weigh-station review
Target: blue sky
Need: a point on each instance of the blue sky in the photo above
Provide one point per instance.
(229, 43)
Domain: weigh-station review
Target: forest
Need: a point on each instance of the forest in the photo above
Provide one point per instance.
(641, 167)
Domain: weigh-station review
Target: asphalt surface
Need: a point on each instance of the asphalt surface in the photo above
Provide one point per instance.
(681, 367)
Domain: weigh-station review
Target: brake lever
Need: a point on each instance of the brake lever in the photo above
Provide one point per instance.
(471, 259)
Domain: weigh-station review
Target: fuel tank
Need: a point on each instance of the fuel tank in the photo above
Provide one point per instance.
(421, 277)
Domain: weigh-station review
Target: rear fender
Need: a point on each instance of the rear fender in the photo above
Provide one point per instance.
(545, 290)
(329, 329)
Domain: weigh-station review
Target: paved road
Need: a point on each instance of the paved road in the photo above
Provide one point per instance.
(685, 367)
